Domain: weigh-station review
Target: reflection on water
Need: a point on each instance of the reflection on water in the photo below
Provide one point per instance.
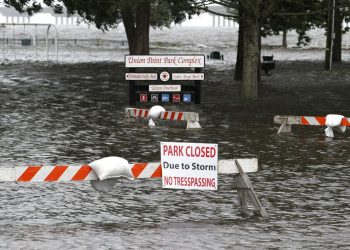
(61, 114)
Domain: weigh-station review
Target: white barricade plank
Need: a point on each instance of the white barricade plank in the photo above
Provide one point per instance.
(179, 116)
(54, 173)
(280, 119)
(230, 167)
(166, 115)
(8, 174)
(134, 112)
(192, 118)
(306, 120)
(64, 173)
(287, 122)
(85, 173)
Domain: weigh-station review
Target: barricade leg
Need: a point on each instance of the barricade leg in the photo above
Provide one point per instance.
(192, 124)
(129, 119)
(285, 127)
(245, 190)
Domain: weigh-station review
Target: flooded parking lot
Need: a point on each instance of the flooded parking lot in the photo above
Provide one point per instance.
(73, 114)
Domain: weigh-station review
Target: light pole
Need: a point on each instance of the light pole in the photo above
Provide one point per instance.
(330, 34)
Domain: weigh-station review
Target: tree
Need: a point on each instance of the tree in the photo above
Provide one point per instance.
(341, 14)
(251, 14)
(137, 24)
(137, 15)
(298, 15)
(240, 51)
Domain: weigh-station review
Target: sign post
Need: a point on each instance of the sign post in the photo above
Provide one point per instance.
(189, 165)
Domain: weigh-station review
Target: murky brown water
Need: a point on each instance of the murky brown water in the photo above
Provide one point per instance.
(64, 114)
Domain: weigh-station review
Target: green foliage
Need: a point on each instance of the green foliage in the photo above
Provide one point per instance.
(303, 15)
(299, 15)
(345, 13)
(107, 13)
(164, 12)
(24, 5)
(275, 15)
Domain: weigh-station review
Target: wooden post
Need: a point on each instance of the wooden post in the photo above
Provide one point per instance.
(197, 84)
(132, 90)
(245, 190)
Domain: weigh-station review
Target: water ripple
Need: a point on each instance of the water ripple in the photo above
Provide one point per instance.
(74, 114)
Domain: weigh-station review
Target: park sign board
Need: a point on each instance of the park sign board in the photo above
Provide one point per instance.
(164, 61)
(159, 84)
(189, 165)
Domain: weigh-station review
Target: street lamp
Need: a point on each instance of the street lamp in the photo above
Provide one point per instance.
(332, 36)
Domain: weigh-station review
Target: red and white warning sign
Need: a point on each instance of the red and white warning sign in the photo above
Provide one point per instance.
(143, 97)
(189, 165)
(176, 97)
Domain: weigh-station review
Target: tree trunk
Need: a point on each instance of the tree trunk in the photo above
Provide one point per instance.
(239, 59)
(284, 39)
(338, 21)
(249, 89)
(137, 28)
(143, 12)
(128, 21)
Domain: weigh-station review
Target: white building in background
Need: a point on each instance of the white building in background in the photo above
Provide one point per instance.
(10, 15)
(220, 21)
(209, 20)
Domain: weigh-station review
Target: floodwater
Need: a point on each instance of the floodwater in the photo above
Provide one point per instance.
(73, 114)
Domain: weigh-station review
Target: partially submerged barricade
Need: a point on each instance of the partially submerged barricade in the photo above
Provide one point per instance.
(104, 173)
(331, 121)
(191, 118)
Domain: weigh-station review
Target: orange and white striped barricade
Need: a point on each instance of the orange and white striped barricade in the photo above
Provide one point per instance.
(136, 113)
(69, 173)
(191, 118)
(76, 173)
(287, 122)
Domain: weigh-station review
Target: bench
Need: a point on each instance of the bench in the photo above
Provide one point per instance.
(268, 64)
(216, 55)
